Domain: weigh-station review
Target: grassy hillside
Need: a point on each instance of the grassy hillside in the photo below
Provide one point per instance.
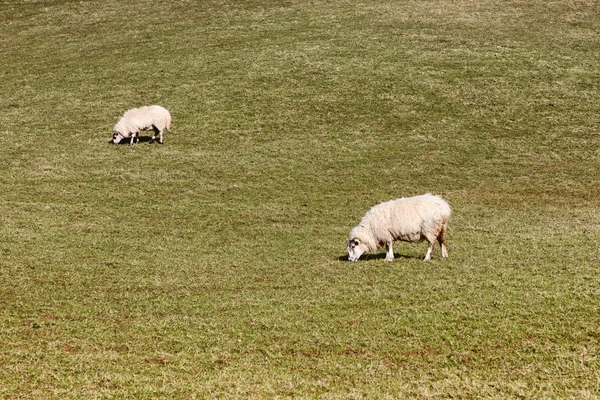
(214, 266)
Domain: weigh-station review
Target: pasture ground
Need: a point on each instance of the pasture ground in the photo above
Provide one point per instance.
(214, 266)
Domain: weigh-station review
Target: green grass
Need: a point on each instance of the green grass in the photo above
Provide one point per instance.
(214, 266)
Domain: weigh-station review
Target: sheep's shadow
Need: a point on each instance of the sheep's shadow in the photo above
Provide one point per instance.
(143, 139)
(378, 256)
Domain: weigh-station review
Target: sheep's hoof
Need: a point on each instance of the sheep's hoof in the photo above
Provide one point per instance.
(152, 140)
(389, 259)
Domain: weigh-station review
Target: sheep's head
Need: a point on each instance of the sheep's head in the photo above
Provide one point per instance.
(117, 137)
(355, 249)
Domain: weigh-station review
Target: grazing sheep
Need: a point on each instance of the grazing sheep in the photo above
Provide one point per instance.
(411, 220)
(135, 120)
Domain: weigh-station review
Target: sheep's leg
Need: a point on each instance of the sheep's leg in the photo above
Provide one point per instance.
(429, 250)
(157, 132)
(135, 138)
(389, 252)
(442, 241)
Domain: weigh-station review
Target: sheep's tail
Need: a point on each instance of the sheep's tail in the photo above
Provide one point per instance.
(442, 235)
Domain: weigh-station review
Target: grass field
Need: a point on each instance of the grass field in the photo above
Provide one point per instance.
(214, 266)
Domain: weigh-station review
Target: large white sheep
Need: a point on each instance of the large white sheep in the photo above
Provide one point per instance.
(410, 219)
(135, 120)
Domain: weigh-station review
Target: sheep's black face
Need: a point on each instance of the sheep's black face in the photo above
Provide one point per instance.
(354, 249)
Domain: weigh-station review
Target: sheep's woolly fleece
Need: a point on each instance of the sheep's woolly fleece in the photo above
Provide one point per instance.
(408, 219)
(154, 117)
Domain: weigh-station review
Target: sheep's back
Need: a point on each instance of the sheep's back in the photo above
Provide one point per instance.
(160, 116)
(137, 119)
(407, 218)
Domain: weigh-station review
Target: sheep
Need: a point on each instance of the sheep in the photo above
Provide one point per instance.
(133, 121)
(408, 219)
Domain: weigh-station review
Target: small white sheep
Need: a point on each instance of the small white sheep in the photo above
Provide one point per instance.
(135, 120)
(408, 219)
